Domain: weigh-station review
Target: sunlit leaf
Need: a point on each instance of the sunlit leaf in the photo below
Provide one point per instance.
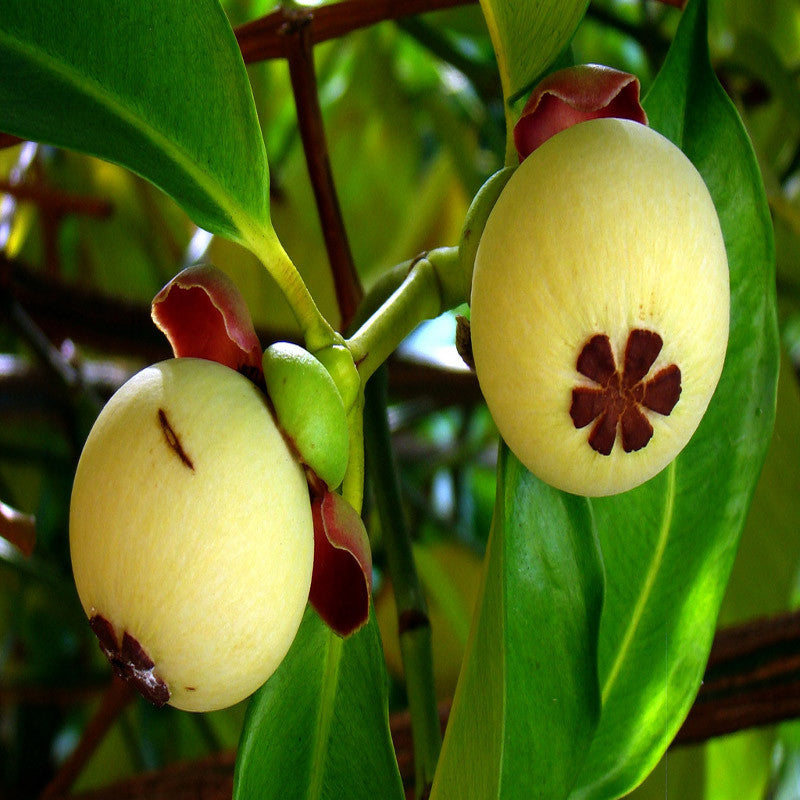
(527, 699)
(159, 88)
(668, 547)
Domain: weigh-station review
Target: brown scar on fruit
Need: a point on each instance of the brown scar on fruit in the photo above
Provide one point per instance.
(617, 400)
(130, 661)
(172, 439)
(464, 341)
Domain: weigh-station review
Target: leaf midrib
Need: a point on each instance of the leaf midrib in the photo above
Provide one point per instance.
(327, 701)
(647, 587)
(80, 82)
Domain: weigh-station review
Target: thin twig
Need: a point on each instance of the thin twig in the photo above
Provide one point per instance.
(413, 624)
(52, 199)
(7, 140)
(18, 528)
(114, 701)
(297, 33)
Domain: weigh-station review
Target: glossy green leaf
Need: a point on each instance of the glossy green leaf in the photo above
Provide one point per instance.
(668, 547)
(158, 87)
(319, 728)
(527, 701)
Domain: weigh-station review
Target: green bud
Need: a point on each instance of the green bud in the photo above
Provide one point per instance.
(309, 409)
(338, 360)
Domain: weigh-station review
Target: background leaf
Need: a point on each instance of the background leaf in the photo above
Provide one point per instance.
(159, 88)
(668, 547)
(319, 727)
(527, 700)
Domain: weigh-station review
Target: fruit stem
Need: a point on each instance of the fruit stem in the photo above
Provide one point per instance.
(353, 483)
(317, 331)
(412, 613)
(431, 286)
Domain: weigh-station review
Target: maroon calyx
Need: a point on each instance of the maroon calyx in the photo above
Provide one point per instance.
(618, 399)
(130, 661)
(341, 581)
(572, 95)
(204, 315)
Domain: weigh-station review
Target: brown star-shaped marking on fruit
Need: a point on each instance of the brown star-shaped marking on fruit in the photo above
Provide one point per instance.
(618, 399)
(130, 661)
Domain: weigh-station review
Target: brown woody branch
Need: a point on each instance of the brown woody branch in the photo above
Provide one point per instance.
(90, 318)
(752, 679)
(53, 200)
(65, 311)
(297, 34)
(114, 701)
(262, 39)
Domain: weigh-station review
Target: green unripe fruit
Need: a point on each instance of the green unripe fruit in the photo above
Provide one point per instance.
(309, 409)
(600, 304)
(191, 535)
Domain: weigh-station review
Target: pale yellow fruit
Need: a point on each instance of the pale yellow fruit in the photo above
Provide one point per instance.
(605, 230)
(191, 532)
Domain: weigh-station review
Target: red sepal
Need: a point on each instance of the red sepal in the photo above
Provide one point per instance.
(341, 582)
(203, 315)
(573, 95)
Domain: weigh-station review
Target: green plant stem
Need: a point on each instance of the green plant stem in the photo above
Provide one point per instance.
(317, 331)
(353, 483)
(429, 289)
(412, 614)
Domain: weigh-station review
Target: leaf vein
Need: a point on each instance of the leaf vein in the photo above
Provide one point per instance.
(647, 586)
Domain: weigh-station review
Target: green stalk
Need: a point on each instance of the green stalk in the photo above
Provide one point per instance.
(412, 613)
(428, 289)
(317, 331)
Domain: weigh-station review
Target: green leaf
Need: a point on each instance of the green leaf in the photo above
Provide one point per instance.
(159, 88)
(319, 727)
(527, 701)
(668, 547)
(527, 37)
(770, 538)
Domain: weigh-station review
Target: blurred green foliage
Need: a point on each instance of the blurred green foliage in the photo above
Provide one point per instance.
(414, 120)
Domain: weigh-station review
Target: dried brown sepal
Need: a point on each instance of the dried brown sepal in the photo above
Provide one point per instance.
(18, 528)
(617, 399)
(341, 582)
(464, 341)
(573, 95)
(203, 315)
(130, 661)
